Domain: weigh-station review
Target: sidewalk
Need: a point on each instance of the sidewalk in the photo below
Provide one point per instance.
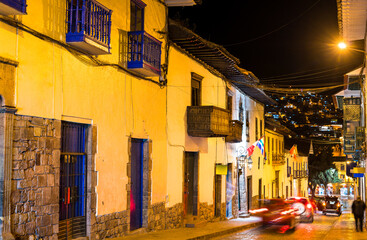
(344, 229)
(206, 231)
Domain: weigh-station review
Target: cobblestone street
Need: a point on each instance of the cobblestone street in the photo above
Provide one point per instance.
(330, 227)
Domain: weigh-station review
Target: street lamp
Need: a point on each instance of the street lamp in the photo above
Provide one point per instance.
(361, 181)
(241, 161)
(342, 45)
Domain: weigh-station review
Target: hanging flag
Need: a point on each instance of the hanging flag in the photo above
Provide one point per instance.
(250, 150)
(293, 151)
(260, 145)
(311, 149)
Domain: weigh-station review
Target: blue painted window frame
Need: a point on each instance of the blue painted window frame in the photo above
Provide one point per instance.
(135, 6)
(88, 18)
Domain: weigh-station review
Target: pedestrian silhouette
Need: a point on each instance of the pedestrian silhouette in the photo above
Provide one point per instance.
(358, 208)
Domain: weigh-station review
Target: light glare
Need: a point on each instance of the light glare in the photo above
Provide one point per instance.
(342, 45)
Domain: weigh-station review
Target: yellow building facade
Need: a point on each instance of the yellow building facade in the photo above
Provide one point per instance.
(109, 125)
(85, 124)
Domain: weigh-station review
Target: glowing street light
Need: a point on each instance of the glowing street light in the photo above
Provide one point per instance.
(342, 45)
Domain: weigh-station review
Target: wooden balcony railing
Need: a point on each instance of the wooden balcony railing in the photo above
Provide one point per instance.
(278, 159)
(235, 131)
(207, 121)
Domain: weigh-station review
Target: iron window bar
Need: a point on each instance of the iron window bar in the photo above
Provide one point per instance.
(88, 18)
(145, 50)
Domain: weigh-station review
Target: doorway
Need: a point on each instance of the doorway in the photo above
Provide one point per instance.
(249, 193)
(260, 193)
(136, 191)
(218, 195)
(277, 184)
(229, 191)
(73, 181)
(190, 193)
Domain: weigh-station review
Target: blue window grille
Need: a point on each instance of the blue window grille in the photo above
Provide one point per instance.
(88, 19)
(144, 52)
(14, 6)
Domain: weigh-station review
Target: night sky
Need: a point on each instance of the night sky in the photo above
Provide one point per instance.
(283, 42)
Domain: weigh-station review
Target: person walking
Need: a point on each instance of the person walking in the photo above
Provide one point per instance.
(358, 208)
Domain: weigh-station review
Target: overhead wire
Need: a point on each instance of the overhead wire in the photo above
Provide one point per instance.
(321, 70)
(82, 56)
(275, 30)
(294, 91)
(308, 75)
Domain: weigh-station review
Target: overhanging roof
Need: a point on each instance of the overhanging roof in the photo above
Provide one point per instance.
(352, 15)
(279, 128)
(182, 3)
(219, 58)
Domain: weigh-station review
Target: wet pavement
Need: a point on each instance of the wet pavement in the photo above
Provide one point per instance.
(330, 227)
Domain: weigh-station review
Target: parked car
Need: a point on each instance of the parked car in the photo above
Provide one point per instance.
(318, 202)
(277, 212)
(332, 205)
(304, 208)
(314, 204)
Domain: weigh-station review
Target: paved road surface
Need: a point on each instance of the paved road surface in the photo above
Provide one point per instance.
(330, 227)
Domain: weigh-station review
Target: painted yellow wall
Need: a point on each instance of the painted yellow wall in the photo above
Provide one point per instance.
(256, 110)
(211, 150)
(53, 83)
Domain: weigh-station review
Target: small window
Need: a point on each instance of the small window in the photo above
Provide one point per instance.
(354, 83)
(247, 127)
(137, 15)
(258, 163)
(342, 167)
(261, 128)
(256, 129)
(240, 112)
(195, 89)
(229, 103)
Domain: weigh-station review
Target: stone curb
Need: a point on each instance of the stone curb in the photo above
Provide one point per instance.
(226, 231)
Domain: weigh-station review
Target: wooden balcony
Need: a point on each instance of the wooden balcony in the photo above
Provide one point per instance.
(207, 121)
(278, 159)
(349, 148)
(235, 131)
(13, 7)
(360, 133)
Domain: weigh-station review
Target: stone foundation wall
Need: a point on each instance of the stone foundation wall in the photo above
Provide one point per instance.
(174, 216)
(118, 225)
(223, 211)
(235, 212)
(157, 217)
(206, 212)
(35, 177)
(112, 225)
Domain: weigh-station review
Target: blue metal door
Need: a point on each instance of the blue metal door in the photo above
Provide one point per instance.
(136, 192)
(73, 169)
